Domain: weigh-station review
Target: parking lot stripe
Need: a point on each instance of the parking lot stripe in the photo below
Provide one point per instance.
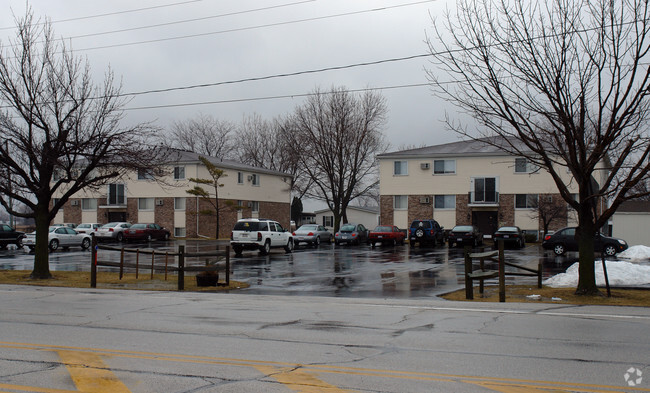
(298, 380)
(90, 374)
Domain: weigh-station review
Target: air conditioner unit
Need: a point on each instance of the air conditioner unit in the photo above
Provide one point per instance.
(250, 177)
(159, 202)
(425, 200)
(424, 165)
(74, 203)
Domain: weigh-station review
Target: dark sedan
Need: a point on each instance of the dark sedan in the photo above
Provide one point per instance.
(461, 235)
(510, 236)
(8, 235)
(565, 240)
(146, 231)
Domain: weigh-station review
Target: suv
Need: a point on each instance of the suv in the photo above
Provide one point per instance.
(426, 231)
(260, 234)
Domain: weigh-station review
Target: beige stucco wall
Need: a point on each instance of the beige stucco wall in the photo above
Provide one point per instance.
(631, 227)
(401, 219)
(446, 218)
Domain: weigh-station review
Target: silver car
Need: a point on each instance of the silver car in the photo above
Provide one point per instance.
(112, 231)
(311, 234)
(60, 236)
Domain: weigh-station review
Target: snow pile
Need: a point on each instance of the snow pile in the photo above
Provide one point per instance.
(635, 254)
(620, 274)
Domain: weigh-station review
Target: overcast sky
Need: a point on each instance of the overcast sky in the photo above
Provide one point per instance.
(153, 45)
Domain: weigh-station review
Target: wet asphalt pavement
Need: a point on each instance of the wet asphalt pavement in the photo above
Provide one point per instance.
(343, 271)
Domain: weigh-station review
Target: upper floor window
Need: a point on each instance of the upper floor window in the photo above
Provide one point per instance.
(442, 167)
(179, 173)
(485, 190)
(88, 204)
(145, 174)
(116, 194)
(255, 179)
(523, 165)
(526, 201)
(400, 168)
(444, 201)
(179, 203)
(400, 202)
(240, 178)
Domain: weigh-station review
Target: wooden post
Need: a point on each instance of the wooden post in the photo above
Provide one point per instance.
(181, 268)
(539, 274)
(93, 263)
(122, 263)
(228, 265)
(482, 267)
(137, 262)
(502, 273)
(469, 290)
(152, 259)
(166, 262)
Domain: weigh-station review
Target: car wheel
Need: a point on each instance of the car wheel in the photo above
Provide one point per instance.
(522, 243)
(559, 249)
(266, 248)
(54, 244)
(289, 247)
(19, 243)
(119, 236)
(610, 250)
(238, 249)
(317, 242)
(419, 233)
(85, 244)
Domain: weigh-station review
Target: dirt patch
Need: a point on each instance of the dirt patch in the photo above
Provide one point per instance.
(112, 281)
(532, 294)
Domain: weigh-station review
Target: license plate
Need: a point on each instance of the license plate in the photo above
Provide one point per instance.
(506, 236)
(244, 235)
(460, 239)
(379, 237)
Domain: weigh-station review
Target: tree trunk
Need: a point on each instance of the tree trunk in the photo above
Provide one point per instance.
(585, 234)
(41, 251)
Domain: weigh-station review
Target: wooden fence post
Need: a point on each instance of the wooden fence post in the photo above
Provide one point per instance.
(93, 263)
(502, 273)
(228, 265)
(181, 268)
(122, 263)
(469, 289)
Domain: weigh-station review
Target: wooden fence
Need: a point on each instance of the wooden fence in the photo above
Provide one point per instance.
(175, 262)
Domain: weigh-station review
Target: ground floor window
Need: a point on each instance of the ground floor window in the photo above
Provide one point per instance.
(328, 221)
(444, 202)
(526, 201)
(400, 202)
(179, 232)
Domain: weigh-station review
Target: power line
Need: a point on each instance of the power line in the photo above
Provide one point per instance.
(189, 20)
(253, 27)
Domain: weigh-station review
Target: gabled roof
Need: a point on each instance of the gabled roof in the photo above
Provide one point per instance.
(471, 147)
(175, 156)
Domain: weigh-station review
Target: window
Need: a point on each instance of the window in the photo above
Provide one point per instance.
(255, 179)
(116, 194)
(179, 172)
(522, 165)
(88, 204)
(400, 168)
(400, 202)
(443, 167)
(179, 203)
(145, 203)
(328, 221)
(485, 190)
(179, 232)
(255, 207)
(240, 178)
(145, 174)
(444, 202)
(526, 201)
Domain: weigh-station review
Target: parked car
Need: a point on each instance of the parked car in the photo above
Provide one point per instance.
(461, 235)
(9, 235)
(65, 224)
(426, 232)
(312, 234)
(112, 231)
(564, 240)
(510, 236)
(60, 236)
(386, 234)
(146, 231)
(260, 234)
(351, 233)
(88, 228)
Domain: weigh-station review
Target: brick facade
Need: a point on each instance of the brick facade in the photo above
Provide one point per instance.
(72, 213)
(506, 210)
(419, 210)
(386, 211)
(463, 211)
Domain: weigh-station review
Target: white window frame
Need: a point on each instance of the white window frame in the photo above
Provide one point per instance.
(328, 221)
(448, 167)
(178, 205)
(119, 198)
(448, 202)
(400, 168)
(400, 202)
(88, 204)
(179, 173)
(146, 204)
(256, 180)
(525, 164)
(255, 207)
(240, 177)
(180, 232)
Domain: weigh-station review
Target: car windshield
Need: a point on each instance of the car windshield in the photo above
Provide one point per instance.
(508, 229)
(308, 228)
(52, 229)
(348, 228)
(383, 229)
(247, 226)
(462, 228)
(138, 226)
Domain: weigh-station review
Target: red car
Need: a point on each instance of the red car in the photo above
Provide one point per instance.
(386, 234)
(146, 231)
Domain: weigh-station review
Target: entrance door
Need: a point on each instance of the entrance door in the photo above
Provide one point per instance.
(486, 221)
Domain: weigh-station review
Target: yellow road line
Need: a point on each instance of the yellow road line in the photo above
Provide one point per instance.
(298, 380)
(33, 389)
(90, 374)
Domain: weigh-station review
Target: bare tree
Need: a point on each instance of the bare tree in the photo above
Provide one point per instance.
(214, 181)
(564, 84)
(336, 136)
(547, 209)
(59, 132)
(203, 135)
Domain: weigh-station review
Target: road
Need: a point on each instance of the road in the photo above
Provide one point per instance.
(58, 340)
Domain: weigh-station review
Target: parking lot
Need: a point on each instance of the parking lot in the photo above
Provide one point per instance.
(329, 270)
